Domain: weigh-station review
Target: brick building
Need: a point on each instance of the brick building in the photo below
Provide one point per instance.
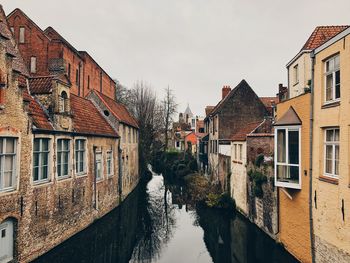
(60, 155)
(118, 117)
(46, 52)
(238, 107)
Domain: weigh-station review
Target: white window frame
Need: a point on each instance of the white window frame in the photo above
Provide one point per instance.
(33, 61)
(109, 163)
(286, 184)
(333, 72)
(98, 152)
(22, 35)
(40, 152)
(14, 164)
(69, 160)
(77, 156)
(333, 144)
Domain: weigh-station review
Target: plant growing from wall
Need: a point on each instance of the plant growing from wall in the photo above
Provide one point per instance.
(258, 179)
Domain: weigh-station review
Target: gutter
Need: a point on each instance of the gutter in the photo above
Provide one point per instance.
(36, 130)
(312, 238)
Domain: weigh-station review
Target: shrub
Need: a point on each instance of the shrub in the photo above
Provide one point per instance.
(220, 201)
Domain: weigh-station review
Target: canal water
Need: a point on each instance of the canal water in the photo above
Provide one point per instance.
(157, 224)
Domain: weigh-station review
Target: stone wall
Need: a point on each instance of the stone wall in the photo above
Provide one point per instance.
(262, 209)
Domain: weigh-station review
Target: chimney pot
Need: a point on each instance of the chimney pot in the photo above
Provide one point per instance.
(225, 91)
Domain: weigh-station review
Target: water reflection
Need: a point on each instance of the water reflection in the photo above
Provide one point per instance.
(157, 223)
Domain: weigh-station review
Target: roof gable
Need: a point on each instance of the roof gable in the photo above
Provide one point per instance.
(242, 85)
(88, 120)
(11, 46)
(322, 34)
(118, 110)
(290, 117)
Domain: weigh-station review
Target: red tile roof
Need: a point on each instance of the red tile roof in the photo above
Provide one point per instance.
(269, 102)
(39, 117)
(43, 84)
(322, 34)
(87, 119)
(241, 134)
(118, 110)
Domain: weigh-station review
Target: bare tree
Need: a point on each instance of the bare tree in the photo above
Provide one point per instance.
(123, 94)
(169, 109)
(145, 108)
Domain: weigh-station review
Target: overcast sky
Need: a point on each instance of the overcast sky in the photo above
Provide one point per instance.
(194, 46)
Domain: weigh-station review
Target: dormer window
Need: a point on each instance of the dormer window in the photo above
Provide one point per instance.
(63, 102)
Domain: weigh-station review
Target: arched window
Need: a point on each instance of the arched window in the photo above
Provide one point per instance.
(63, 102)
(7, 240)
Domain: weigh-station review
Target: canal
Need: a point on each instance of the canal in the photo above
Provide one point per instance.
(157, 224)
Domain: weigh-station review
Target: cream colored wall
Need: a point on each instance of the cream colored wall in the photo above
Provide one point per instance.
(294, 227)
(130, 157)
(239, 178)
(330, 229)
(304, 67)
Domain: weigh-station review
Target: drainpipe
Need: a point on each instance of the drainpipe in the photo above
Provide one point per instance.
(312, 55)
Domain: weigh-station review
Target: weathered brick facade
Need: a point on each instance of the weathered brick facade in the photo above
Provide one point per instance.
(48, 211)
(55, 55)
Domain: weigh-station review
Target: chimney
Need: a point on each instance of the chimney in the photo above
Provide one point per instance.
(225, 91)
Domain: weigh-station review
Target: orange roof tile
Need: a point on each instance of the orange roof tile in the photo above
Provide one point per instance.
(322, 34)
(118, 110)
(241, 134)
(39, 117)
(87, 119)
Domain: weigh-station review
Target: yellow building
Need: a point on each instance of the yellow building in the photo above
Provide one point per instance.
(292, 138)
(331, 175)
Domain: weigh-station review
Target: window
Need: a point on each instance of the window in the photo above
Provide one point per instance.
(332, 79)
(41, 159)
(21, 34)
(296, 74)
(109, 163)
(80, 161)
(33, 65)
(237, 151)
(287, 154)
(77, 77)
(63, 102)
(63, 153)
(98, 165)
(8, 152)
(88, 80)
(331, 156)
(177, 144)
(69, 71)
(12, 30)
(240, 152)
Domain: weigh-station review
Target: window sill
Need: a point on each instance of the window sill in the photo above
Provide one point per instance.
(40, 183)
(8, 191)
(63, 178)
(83, 174)
(296, 83)
(330, 104)
(328, 179)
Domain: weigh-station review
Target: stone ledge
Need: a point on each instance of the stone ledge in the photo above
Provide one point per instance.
(328, 180)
